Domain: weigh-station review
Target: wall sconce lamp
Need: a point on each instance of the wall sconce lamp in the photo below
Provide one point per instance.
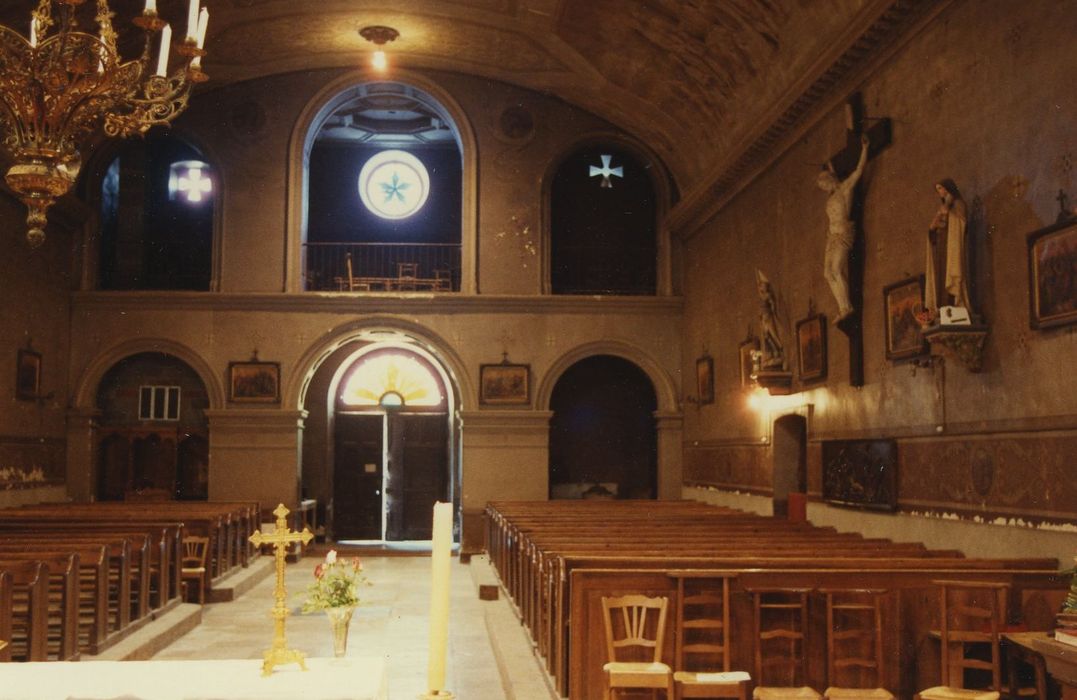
(379, 36)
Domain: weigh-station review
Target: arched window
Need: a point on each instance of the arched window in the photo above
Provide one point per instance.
(603, 222)
(157, 201)
(384, 197)
(392, 379)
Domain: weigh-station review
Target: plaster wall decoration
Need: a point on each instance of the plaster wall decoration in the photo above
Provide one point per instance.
(1015, 475)
(247, 119)
(733, 466)
(515, 124)
(982, 468)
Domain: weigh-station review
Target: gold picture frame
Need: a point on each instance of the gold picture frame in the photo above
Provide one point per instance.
(505, 384)
(254, 382)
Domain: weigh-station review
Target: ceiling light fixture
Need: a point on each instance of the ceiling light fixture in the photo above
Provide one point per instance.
(379, 36)
(62, 84)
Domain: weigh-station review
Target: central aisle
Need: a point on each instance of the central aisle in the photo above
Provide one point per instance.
(391, 621)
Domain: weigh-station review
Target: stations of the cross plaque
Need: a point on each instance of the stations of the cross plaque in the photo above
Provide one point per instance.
(282, 536)
(843, 163)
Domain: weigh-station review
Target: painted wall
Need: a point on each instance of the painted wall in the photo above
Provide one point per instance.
(974, 97)
(34, 286)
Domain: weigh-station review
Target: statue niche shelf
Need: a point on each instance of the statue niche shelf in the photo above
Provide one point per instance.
(962, 343)
(776, 382)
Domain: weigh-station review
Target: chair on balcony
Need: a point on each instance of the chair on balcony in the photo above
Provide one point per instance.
(442, 280)
(406, 275)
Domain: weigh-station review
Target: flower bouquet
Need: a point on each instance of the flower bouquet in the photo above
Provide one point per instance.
(336, 591)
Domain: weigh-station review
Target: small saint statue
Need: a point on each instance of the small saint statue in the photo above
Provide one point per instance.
(771, 349)
(840, 233)
(946, 282)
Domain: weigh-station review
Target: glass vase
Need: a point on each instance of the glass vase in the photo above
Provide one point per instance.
(339, 618)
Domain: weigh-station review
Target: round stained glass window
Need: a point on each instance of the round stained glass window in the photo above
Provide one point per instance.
(394, 184)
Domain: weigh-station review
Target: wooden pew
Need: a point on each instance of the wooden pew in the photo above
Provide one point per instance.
(27, 616)
(538, 548)
(163, 569)
(92, 585)
(61, 601)
(6, 615)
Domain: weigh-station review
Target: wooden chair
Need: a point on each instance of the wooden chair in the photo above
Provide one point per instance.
(971, 614)
(703, 640)
(854, 644)
(442, 280)
(781, 623)
(406, 275)
(194, 564)
(631, 628)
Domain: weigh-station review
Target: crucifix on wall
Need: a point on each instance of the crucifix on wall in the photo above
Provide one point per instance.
(844, 260)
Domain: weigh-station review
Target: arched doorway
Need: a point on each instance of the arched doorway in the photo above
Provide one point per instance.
(790, 473)
(392, 443)
(152, 436)
(603, 438)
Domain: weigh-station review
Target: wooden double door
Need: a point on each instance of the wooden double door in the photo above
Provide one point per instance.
(389, 469)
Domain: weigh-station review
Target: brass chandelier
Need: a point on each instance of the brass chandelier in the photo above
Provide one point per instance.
(61, 85)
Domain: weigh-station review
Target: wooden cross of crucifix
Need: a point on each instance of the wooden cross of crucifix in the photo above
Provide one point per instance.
(282, 536)
(843, 163)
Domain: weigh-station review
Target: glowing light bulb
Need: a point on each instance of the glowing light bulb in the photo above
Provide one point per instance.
(379, 60)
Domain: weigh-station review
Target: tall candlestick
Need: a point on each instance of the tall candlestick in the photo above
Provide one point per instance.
(192, 21)
(162, 57)
(441, 552)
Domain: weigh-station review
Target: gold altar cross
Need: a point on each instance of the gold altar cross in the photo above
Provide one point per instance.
(282, 536)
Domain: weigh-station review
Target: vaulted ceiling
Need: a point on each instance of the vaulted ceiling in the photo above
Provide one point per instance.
(710, 85)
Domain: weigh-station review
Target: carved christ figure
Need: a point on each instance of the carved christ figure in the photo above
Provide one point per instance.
(840, 233)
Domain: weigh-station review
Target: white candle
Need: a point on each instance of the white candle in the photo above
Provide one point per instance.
(151, 7)
(203, 24)
(192, 21)
(162, 57)
(33, 32)
(200, 38)
(440, 556)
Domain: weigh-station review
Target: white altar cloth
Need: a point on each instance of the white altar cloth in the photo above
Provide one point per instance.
(349, 678)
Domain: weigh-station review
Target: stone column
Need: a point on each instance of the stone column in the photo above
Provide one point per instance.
(81, 457)
(506, 456)
(254, 454)
(669, 426)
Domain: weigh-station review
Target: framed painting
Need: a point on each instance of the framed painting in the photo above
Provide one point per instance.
(901, 301)
(28, 375)
(861, 473)
(505, 384)
(705, 379)
(744, 356)
(1052, 275)
(254, 382)
(811, 348)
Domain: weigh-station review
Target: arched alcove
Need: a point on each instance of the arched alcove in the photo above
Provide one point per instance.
(790, 470)
(152, 434)
(603, 437)
(338, 241)
(156, 211)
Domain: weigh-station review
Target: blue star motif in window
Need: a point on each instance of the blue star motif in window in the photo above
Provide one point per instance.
(394, 189)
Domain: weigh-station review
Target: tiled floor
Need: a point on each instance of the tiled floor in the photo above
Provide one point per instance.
(391, 622)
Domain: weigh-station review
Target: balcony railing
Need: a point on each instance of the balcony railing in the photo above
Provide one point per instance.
(383, 267)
